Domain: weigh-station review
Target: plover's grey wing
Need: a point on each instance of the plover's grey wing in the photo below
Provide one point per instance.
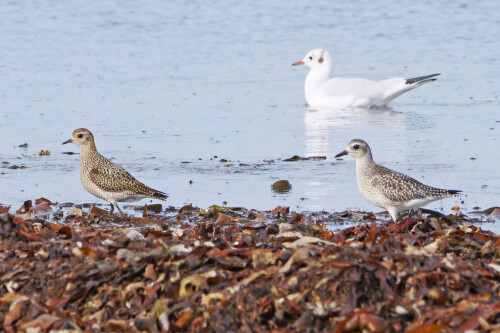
(111, 177)
(399, 187)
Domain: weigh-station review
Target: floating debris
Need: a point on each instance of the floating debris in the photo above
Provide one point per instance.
(14, 166)
(281, 186)
(44, 152)
(298, 158)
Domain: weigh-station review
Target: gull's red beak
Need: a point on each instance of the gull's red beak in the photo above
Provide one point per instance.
(300, 62)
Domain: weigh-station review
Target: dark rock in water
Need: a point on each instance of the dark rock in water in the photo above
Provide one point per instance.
(155, 208)
(281, 186)
(188, 208)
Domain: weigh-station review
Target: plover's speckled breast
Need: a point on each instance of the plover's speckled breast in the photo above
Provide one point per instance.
(389, 189)
(105, 179)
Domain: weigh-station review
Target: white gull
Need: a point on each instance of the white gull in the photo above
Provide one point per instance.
(322, 90)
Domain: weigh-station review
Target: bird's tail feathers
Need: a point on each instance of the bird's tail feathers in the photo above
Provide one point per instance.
(421, 79)
(152, 193)
(159, 195)
(454, 193)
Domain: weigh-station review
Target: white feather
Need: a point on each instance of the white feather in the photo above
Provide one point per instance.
(323, 90)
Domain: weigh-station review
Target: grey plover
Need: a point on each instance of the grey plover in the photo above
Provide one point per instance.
(389, 189)
(105, 179)
(322, 90)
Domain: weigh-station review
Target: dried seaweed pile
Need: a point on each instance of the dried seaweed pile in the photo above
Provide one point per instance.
(239, 270)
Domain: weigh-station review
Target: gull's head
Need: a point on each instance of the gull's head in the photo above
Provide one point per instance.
(81, 137)
(356, 148)
(317, 58)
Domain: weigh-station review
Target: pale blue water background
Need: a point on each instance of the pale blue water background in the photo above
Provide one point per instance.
(162, 82)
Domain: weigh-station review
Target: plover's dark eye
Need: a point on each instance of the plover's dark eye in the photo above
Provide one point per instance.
(310, 57)
(355, 147)
(80, 135)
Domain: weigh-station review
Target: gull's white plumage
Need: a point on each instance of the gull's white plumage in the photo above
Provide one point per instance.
(323, 90)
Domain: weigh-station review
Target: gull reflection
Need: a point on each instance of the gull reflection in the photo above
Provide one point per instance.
(322, 123)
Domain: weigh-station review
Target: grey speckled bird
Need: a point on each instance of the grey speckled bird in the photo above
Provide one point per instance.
(105, 179)
(389, 189)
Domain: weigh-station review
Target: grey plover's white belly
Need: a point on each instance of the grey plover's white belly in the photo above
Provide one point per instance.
(417, 203)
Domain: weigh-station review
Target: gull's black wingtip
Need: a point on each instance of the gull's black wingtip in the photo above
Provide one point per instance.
(425, 78)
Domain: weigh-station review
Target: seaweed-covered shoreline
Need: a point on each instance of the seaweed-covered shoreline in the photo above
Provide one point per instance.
(243, 270)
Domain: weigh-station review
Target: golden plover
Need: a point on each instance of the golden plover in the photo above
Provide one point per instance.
(389, 189)
(105, 179)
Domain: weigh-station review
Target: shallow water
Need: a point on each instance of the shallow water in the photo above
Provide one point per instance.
(162, 83)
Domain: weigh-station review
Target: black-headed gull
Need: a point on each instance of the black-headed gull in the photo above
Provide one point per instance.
(323, 90)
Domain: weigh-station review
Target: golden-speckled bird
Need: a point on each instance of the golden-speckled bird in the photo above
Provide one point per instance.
(105, 179)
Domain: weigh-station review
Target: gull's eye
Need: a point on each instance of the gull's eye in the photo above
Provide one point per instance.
(80, 135)
(310, 57)
(355, 147)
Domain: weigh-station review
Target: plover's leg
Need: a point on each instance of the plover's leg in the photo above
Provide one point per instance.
(394, 213)
(112, 208)
(121, 213)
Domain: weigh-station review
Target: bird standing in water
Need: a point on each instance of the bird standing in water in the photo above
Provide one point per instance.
(323, 91)
(105, 179)
(389, 189)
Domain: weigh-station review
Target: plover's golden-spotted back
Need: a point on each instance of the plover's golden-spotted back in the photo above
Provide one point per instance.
(105, 179)
(389, 189)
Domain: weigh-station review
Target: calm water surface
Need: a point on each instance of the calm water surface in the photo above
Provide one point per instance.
(161, 83)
